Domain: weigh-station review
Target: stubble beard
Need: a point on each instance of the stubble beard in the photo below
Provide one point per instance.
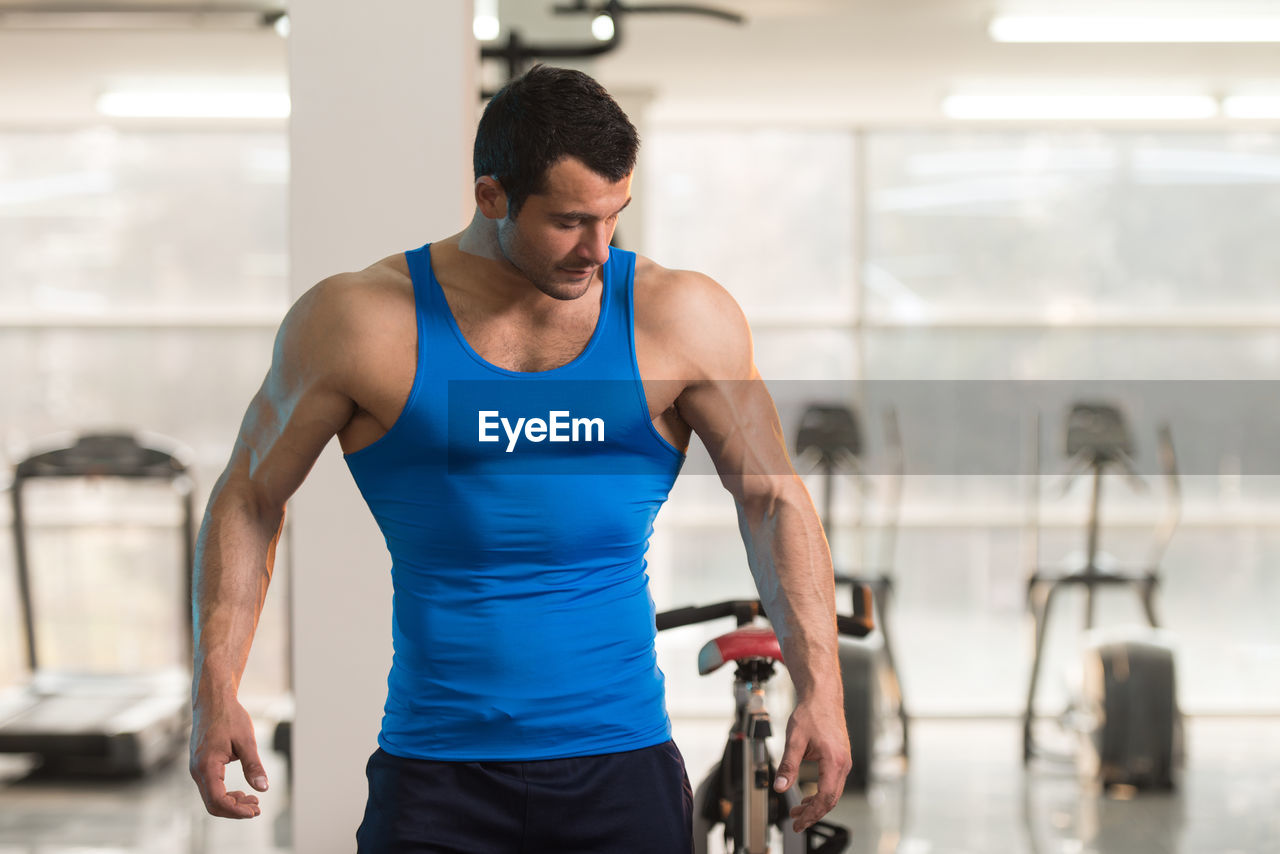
(542, 279)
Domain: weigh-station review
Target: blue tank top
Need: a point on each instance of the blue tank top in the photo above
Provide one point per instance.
(517, 508)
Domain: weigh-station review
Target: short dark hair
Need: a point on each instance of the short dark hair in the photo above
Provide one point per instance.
(544, 116)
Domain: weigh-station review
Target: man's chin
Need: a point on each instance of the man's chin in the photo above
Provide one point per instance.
(568, 285)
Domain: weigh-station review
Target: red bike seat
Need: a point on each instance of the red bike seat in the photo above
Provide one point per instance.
(746, 642)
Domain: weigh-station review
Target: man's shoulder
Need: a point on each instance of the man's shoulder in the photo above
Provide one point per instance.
(675, 295)
(385, 279)
(349, 313)
(692, 313)
(353, 298)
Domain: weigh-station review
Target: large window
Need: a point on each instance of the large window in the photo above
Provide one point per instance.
(104, 224)
(142, 275)
(1071, 227)
(768, 213)
(982, 277)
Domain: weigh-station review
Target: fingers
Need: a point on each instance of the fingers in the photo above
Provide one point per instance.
(235, 805)
(832, 773)
(245, 806)
(251, 766)
(832, 754)
(223, 804)
(208, 769)
(208, 775)
(810, 810)
(789, 766)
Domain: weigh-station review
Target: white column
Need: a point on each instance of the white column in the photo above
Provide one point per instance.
(384, 106)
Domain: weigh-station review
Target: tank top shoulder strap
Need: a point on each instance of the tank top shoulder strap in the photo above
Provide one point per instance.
(425, 290)
(437, 340)
(615, 347)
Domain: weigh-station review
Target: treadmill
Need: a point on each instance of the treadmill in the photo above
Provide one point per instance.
(92, 723)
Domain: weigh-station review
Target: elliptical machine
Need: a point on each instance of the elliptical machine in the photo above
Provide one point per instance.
(1126, 719)
(830, 438)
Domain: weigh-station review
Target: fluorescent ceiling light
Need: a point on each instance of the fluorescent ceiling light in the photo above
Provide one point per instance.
(195, 105)
(1135, 28)
(1121, 107)
(1251, 106)
(137, 17)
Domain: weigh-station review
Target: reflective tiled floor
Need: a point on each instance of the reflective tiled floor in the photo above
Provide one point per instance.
(159, 815)
(965, 793)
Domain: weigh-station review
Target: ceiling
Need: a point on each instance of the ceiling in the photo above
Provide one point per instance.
(169, 5)
(808, 61)
(893, 60)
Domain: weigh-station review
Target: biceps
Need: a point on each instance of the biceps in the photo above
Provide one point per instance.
(282, 435)
(738, 423)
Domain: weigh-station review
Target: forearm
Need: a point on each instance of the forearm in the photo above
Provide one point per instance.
(235, 555)
(791, 564)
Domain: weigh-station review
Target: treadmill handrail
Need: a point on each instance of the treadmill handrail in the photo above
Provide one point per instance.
(106, 454)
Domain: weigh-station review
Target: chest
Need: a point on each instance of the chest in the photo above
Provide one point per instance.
(527, 344)
(516, 343)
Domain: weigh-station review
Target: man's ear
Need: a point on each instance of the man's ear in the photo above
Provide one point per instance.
(491, 199)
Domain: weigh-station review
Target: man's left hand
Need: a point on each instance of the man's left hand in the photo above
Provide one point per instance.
(815, 732)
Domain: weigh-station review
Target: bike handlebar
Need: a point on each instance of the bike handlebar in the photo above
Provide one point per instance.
(859, 624)
(743, 610)
(854, 627)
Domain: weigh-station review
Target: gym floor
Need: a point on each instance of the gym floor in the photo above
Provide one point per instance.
(965, 793)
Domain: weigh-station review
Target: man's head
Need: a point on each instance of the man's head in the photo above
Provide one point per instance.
(543, 117)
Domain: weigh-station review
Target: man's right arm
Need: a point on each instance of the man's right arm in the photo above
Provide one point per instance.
(302, 404)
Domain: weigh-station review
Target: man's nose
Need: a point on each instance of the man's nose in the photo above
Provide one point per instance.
(595, 244)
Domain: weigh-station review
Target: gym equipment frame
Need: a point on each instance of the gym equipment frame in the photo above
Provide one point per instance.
(1127, 717)
(101, 724)
(738, 791)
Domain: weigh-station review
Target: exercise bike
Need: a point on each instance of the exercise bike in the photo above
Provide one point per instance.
(1126, 720)
(738, 792)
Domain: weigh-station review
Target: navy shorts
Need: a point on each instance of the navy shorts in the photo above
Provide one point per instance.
(637, 802)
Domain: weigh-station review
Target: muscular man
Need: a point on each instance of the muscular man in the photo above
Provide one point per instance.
(514, 402)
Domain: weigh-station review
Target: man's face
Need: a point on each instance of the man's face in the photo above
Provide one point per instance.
(560, 238)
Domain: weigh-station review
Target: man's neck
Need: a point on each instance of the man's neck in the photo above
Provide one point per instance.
(480, 238)
(509, 287)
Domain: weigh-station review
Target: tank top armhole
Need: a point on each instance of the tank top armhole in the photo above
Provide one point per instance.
(419, 261)
(628, 284)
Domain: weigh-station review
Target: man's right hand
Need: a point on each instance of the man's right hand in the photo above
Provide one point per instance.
(223, 733)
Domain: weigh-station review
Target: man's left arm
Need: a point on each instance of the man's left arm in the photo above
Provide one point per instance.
(729, 407)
